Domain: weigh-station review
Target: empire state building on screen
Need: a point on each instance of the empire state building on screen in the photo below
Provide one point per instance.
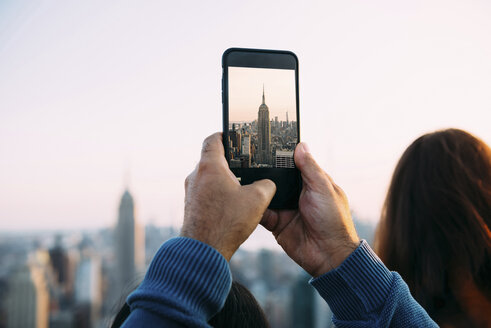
(264, 134)
(263, 141)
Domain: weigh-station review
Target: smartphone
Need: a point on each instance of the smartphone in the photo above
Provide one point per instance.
(261, 119)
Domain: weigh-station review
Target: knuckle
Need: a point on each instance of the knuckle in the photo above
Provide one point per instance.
(330, 183)
(261, 194)
(203, 166)
(207, 167)
(272, 186)
(338, 190)
(187, 181)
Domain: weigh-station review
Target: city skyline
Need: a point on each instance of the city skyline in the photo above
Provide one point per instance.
(264, 142)
(75, 278)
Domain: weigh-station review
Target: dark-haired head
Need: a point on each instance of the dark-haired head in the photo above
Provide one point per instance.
(241, 310)
(435, 225)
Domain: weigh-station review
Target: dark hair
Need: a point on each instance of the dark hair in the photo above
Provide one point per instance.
(437, 216)
(241, 310)
(121, 316)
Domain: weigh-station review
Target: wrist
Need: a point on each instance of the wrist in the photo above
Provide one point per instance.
(342, 253)
(335, 257)
(210, 241)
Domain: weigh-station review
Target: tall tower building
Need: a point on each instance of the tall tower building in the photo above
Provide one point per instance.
(235, 143)
(88, 286)
(245, 156)
(130, 245)
(246, 145)
(28, 299)
(302, 309)
(264, 134)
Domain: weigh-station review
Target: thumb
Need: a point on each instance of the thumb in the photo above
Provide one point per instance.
(213, 147)
(311, 171)
(262, 192)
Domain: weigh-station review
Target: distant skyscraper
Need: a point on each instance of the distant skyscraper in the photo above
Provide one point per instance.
(88, 286)
(267, 267)
(264, 134)
(246, 145)
(130, 245)
(245, 156)
(284, 159)
(63, 264)
(302, 305)
(235, 141)
(322, 313)
(59, 261)
(27, 303)
(287, 119)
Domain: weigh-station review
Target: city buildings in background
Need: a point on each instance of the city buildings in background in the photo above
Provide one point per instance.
(81, 279)
(27, 301)
(74, 279)
(264, 142)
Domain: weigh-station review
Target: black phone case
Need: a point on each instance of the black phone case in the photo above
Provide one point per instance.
(288, 181)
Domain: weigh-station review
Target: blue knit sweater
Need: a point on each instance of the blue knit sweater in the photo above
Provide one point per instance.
(188, 282)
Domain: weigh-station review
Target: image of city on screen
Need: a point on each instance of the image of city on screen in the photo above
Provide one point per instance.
(262, 118)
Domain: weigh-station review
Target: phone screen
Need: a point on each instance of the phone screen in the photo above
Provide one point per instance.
(262, 111)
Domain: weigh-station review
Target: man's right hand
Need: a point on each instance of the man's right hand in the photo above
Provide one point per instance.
(320, 235)
(218, 211)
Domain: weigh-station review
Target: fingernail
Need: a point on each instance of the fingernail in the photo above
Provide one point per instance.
(305, 147)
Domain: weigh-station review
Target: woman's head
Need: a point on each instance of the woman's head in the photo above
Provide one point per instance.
(240, 310)
(437, 216)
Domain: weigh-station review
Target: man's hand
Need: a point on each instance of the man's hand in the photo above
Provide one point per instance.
(320, 235)
(218, 210)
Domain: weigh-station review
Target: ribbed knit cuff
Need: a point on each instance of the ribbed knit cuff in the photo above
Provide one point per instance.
(358, 286)
(186, 273)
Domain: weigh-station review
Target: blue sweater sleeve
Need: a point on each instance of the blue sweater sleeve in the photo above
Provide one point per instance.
(362, 292)
(186, 284)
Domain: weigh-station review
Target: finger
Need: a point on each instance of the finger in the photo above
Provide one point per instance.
(269, 219)
(187, 181)
(311, 171)
(262, 191)
(277, 220)
(213, 147)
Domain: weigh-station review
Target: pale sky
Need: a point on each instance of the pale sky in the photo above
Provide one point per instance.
(246, 89)
(90, 88)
